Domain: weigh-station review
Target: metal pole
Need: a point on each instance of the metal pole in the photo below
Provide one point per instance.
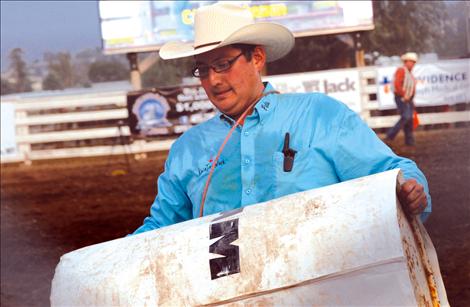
(359, 51)
(135, 73)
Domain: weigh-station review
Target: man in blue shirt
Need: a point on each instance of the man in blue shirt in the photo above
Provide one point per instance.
(270, 144)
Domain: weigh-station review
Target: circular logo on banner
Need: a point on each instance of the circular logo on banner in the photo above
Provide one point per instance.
(151, 110)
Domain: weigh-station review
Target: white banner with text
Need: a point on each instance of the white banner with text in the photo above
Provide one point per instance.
(440, 83)
(343, 85)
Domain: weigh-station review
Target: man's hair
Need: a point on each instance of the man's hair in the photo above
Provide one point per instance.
(246, 49)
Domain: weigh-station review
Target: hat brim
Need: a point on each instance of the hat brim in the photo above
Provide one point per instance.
(276, 39)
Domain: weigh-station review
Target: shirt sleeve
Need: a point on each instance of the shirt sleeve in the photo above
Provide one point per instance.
(171, 205)
(359, 152)
(398, 81)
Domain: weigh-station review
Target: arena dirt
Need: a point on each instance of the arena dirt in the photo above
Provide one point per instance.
(48, 209)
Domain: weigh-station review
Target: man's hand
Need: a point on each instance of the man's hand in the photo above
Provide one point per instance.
(412, 197)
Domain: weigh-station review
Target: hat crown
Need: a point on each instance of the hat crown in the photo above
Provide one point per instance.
(410, 56)
(216, 22)
(223, 24)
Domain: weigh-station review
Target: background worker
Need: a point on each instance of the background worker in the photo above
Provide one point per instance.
(404, 90)
(275, 144)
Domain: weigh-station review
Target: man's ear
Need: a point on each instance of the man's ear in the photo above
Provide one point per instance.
(259, 57)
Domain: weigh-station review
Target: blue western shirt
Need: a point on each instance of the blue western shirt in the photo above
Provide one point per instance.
(333, 144)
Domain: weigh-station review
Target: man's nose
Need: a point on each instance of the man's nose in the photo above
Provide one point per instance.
(213, 77)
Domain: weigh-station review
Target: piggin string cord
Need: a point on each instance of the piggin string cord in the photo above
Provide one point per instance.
(229, 134)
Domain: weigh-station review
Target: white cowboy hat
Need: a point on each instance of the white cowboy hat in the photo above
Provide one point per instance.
(223, 24)
(410, 56)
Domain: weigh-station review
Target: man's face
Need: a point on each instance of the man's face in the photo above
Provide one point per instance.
(409, 64)
(233, 90)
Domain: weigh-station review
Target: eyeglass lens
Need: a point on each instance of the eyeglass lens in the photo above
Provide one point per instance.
(202, 71)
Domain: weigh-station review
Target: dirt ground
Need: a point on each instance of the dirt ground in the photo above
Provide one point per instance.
(48, 209)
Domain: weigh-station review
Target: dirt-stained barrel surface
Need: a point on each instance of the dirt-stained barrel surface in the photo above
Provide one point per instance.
(53, 207)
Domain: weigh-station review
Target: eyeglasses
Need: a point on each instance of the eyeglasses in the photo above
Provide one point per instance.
(202, 70)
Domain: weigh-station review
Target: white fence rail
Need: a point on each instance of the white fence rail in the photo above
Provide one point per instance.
(35, 113)
(369, 88)
(67, 118)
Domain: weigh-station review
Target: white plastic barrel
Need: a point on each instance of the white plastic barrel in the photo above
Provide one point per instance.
(344, 244)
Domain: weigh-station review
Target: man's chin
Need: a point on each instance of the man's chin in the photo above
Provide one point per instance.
(226, 106)
(231, 113)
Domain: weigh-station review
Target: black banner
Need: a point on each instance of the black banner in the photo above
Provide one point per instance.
(169, 111)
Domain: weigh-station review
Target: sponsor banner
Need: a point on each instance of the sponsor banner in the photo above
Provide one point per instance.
(8, 140)
(167, 112)
(341, 84)
(440, 83)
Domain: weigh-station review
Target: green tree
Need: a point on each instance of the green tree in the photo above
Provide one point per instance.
(402, 26)
(112, 70)
(167, 73)
(52, 82)
(60, 65)
(7, 87)
(20, 72)
(315, 53)
(84, 59)
(454, 43)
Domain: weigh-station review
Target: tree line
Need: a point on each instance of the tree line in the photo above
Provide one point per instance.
(400, 26)
(64, 70)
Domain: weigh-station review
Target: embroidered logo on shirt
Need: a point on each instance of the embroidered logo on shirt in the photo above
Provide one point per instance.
(209, 165)
(265, 106)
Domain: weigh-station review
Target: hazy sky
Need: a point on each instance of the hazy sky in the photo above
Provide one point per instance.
(39, 26)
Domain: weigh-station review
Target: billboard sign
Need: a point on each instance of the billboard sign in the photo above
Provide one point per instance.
(140, 26)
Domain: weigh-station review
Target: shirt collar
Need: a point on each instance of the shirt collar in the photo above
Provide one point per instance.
(264, 106)
(225, 118)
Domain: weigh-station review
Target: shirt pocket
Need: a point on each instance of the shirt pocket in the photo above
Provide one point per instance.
(310, 170)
